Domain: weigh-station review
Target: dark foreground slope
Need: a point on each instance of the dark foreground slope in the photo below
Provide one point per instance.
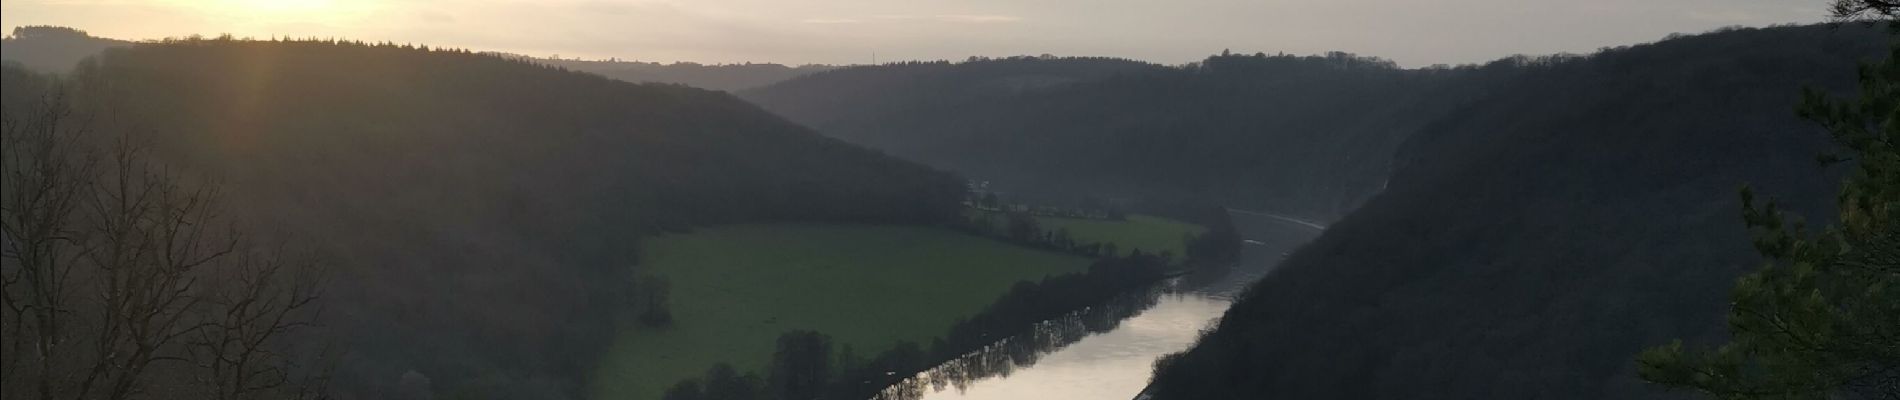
(1304, 135)
(483, 212)
(1534, 241)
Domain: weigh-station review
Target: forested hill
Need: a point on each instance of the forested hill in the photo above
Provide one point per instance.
(56, 49)
(728, 77)
(857, 103)
(53, 48)
(1307, 135)
(1533, 241)
(483, 211)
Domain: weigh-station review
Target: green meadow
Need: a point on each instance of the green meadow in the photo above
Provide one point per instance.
(736, 288)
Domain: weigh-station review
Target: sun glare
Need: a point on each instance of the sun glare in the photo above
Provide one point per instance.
(281, 17)
(279, 6)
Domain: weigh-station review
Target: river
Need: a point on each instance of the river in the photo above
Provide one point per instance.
(1107, 351)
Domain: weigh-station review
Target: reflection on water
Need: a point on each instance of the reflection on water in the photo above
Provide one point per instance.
(1108, 351)
(1015, 354)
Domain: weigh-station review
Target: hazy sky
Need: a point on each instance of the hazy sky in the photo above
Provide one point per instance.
(1412, 32)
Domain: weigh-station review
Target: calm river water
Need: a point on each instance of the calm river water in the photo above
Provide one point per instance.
(1107, 352)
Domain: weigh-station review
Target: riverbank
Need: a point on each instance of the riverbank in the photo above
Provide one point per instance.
(1106, 351)
(883, 301)
(735, 289)
(1150, 234)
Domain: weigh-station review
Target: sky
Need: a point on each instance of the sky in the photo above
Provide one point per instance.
(1411, 32)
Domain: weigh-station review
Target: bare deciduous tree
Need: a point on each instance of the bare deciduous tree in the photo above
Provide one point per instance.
(1864, 9)
(116, 271)
(46, 171)
(264, 299)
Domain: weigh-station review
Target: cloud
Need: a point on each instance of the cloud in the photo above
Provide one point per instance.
(828, 21)
(608, 8)
(434, 17)
(953, 18)
(977, 18)
(1726, 16)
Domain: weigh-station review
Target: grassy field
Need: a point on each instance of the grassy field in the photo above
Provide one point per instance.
(1149, 233)
(736, 288)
